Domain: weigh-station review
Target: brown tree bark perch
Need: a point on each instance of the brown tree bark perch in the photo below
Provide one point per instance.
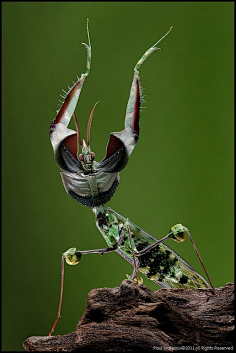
(136, 319)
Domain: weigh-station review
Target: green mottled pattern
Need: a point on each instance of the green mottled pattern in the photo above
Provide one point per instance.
(161, 264)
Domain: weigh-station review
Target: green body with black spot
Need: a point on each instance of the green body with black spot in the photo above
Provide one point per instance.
(160, 264)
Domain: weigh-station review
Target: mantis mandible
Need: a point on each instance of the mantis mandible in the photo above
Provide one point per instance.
(93, 183)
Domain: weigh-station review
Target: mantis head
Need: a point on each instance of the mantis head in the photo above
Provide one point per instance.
(86, 157)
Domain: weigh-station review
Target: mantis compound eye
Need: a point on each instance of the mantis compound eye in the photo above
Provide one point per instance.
(81, 158)
(92, 155)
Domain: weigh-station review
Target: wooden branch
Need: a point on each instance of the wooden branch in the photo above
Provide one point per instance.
(136, 319)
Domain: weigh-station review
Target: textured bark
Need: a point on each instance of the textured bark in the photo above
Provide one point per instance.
(136, 319)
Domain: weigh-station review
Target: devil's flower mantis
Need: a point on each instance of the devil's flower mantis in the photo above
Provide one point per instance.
(93, 183)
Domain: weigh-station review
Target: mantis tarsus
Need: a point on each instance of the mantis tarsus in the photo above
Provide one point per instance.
(93, 183)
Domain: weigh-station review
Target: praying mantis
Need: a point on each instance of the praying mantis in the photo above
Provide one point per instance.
(93, 184)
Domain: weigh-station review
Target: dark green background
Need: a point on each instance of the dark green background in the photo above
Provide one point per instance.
(180, 171)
